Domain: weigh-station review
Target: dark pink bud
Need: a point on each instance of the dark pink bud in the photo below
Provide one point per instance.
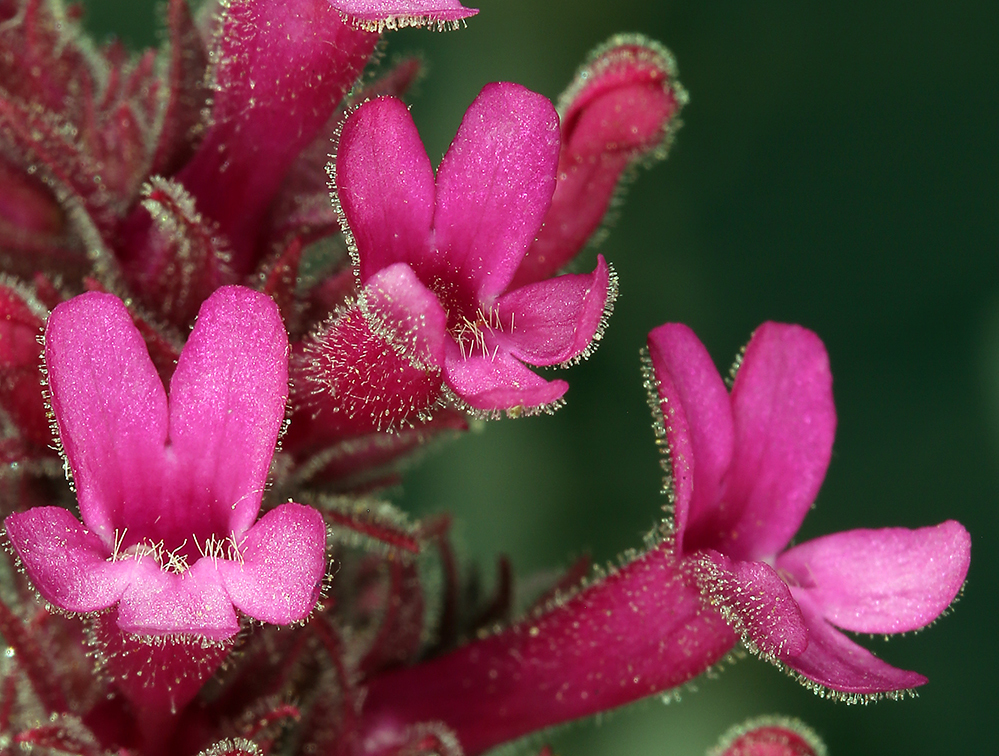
(620, 110)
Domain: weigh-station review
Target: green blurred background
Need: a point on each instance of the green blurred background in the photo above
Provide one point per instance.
(837, 168)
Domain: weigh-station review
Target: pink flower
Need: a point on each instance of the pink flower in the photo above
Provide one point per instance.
(746, 468)
(169, 489)
(435, 259)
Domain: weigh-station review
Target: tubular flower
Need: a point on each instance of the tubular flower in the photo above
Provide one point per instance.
(745, 469)
(770, 736)
(169, 489)
(435, 258)
(378, 15)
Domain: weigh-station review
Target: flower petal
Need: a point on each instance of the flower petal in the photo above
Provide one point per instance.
(833, 660)
(785, 422)
(65, 562)
(404, 12)
(227, 403)
(498, 382)
(280, 565)
(756, 601)
(697, 417)
(494, 187)
(385, 185)
(555, 320)
(882, 581)
(407, 314)
(111, 411)
(164, 603)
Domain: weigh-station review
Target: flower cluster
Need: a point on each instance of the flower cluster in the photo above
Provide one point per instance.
(244, 340)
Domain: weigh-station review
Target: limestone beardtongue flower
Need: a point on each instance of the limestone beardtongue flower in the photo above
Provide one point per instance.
(169, 488)
(746, 468)
(438, 314)
(456, 292)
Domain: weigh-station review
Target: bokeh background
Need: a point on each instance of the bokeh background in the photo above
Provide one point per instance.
(838, 167)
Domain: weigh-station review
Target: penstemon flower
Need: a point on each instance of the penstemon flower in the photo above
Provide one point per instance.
(745, 468)
(233, 365)
(435, 260)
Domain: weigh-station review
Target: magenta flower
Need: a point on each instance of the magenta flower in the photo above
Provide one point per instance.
(169, 489)
(435, 259)
(392, 14)
(746, 468)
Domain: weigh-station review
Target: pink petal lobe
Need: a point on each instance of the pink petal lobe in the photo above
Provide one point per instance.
(757, 601)
(836, 662)
(111, 411)
(66, 563)
(785, 422)
(281, 563)
(385, 185)
(227, 403)
(882, 581)
(556, 320)
(494, 187)
(770, 736)
(193, 602)
(498, 381)
(697, 417)
(407, 313)
(415, 12)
